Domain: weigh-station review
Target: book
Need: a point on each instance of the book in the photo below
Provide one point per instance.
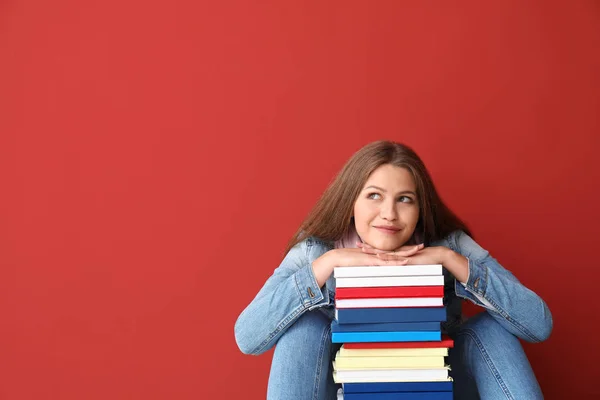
(387, 362)
(446, 342)
(441, 386)
(391, 302)
(386, 327)
(390, 375)
(385, 281)
(392, 352)
(382, 315)
(380, 292)
(387, 270)
(368, 337)
(398, 396)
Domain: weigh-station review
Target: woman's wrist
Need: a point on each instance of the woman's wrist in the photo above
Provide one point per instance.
(455, 263)
(323, 267)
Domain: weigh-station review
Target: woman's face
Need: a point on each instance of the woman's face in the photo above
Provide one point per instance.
(388, 199)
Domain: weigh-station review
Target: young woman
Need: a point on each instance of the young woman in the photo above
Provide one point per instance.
(383, 209)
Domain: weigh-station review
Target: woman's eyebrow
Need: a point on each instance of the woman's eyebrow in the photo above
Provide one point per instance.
(384, 191)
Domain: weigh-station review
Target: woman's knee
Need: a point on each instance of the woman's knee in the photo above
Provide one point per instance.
(311, 328)
(494, 357)
(300, 365)
(306, 345)
(486, 329)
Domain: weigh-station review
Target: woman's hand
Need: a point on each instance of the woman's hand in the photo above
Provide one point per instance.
(457, 264)
(424, 255)
(347, 257)
(404, 251)
(367, 255)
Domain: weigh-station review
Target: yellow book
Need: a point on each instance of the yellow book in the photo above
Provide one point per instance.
(388, 362)
(438, 351)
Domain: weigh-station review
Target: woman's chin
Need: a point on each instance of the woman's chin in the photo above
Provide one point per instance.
(385, 245)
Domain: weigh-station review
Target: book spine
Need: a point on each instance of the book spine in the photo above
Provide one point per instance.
(397, 387)
(387, 292)
(446, 342)
(399, 396)
(387, 270)
(384, 281)
(342, 362)
(386, 327)
(390, 302)
(369, 337)
(383, 315)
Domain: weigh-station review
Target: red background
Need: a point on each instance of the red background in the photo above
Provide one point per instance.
(155, 157)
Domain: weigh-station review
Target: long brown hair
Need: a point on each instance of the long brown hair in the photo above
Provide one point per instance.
(330, 218)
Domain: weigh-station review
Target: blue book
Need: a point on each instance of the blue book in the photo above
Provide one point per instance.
(386, 327)
(384, 315)
(399, 396)
(370, 337)
(378, 387)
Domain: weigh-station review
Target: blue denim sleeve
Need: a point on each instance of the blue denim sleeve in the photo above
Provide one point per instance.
(285, 296)
(517, 308)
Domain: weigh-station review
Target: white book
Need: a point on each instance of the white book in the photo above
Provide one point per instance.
(390, 302)
(387, 270)
(390, 375)
(386, 281)
(368, 363)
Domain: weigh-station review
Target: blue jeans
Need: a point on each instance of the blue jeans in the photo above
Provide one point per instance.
(487, 361)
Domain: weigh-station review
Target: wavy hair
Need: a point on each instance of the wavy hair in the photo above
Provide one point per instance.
(330, 218)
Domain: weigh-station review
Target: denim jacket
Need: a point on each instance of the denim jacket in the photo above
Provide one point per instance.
(293, 290)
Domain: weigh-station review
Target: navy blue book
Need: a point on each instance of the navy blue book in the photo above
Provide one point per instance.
(399, 396)
(386, 327)
(381, 387)
(384, 315)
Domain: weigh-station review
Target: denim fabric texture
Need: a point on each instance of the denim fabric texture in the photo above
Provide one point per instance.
(487, 362)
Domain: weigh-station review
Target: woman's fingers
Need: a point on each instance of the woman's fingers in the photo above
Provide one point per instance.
(406, 248)
(397, 256)
(394, 262)
(368, 249)
(371, 250)
(379, 261)
(354, 257)
(410, 250)
(406, 253)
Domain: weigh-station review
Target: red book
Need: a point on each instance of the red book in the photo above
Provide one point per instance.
(387, 292)
(445, 342)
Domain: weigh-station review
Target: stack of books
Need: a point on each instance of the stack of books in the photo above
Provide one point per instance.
(388, 319)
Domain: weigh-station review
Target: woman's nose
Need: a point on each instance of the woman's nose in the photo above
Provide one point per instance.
(388, 211)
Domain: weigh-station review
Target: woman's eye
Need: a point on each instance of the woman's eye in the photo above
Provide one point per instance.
(402, 199)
